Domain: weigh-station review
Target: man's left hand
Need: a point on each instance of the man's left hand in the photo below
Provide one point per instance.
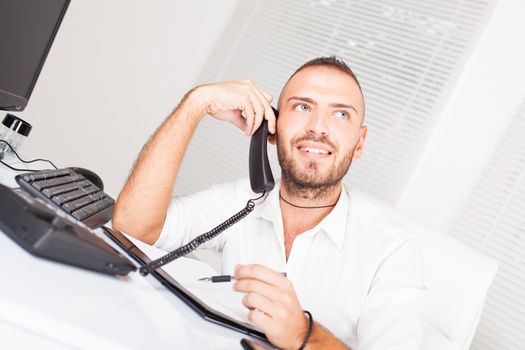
(273, 305)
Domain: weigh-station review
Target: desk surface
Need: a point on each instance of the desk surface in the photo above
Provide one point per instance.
(50, 305)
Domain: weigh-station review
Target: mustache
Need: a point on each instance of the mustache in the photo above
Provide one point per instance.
(323, 139)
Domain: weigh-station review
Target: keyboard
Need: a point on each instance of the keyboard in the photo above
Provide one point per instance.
(73, 190)
(44, 230)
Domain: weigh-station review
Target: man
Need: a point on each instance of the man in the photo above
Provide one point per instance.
(352, 267)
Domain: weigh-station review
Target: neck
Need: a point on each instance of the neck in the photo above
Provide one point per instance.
(310, 196)
(298, 220)
(306, 207)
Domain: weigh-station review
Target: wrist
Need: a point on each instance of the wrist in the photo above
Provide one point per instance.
(307, 330)
(299, 339)
(200, 99)
(194, 103)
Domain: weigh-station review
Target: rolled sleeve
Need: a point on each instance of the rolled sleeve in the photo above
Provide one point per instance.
(190, 216)
(173, 236)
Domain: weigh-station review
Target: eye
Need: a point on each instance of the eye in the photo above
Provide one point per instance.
(301, 107)
(342, 115)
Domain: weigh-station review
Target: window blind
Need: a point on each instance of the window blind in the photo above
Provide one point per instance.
(406, 54)
(493, 220)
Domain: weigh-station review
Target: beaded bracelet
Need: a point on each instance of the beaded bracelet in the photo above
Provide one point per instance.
(309, 331)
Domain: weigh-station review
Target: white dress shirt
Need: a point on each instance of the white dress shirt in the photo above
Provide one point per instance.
(358, 271)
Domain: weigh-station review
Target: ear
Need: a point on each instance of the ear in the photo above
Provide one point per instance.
(361, 143)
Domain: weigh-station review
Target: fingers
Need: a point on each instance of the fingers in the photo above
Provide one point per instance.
(238, 120)
(267, 96)
(264, 313)
(265, 99)
(255, 121)
(272, 121)
(256, 286)
(260, 302)
(261, 105)
(254, 109)
(250, 115)
(239, 102)
(273, 304)
(260, 319)
(262, 273)
(269, 115)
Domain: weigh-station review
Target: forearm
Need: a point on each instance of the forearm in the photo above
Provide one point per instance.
(142, 204)
(322, 338)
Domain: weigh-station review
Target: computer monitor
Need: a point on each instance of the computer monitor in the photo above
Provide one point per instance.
(27, 30)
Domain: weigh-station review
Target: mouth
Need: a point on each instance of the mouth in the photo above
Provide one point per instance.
(314, 150)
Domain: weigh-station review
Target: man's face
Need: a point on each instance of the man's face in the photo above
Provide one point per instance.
(319, 129)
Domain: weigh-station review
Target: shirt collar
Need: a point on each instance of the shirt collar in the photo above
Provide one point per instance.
(334, 224)
(269, 207)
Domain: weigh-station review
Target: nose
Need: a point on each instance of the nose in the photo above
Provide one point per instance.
(317, 123)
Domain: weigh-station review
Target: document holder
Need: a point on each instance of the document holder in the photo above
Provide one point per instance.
(182, 293)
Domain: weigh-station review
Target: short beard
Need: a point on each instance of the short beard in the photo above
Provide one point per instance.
(309, 184)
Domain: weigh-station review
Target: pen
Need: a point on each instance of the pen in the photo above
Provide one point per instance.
(223, 278)
(215, 279)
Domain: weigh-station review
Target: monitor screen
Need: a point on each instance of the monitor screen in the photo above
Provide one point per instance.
(27, 30)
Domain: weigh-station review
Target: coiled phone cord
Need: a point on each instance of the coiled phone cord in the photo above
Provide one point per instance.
(197, 241)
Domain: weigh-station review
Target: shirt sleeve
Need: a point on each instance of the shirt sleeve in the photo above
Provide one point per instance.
(390, 316)
(192, 215)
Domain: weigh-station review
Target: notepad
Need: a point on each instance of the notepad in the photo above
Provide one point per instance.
(186, 271)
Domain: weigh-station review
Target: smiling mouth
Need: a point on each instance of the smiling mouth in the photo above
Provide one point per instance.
(313, 152)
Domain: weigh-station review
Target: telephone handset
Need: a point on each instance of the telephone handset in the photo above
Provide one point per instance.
(261, 178)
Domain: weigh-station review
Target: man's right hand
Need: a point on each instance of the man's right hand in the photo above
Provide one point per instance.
(239, 102)
(142, 205)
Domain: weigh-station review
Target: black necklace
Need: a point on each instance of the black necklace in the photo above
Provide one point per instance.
(301, 207)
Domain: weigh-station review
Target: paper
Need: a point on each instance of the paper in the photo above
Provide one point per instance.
(186, 271)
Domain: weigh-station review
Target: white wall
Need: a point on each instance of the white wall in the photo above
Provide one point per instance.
(115, 71)
(117, 68)
(488, 91)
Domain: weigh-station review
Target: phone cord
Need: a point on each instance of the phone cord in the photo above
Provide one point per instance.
(193, 244)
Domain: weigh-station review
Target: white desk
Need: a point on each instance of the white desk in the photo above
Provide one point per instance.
(47, 305)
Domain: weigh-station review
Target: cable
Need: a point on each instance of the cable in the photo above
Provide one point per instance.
(191, 246)
(24, 161)
(28, 161)
(17, 169)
